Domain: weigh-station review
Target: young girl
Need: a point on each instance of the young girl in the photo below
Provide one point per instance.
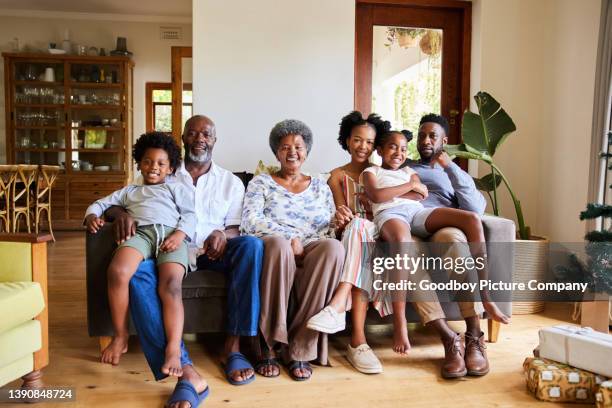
(396, 216)
(357, 136)
(165, 217)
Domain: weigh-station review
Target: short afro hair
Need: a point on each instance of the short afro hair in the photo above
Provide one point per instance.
(290, 127)
(439, 119)
(157, 140)
(355, 118)
(382, 138)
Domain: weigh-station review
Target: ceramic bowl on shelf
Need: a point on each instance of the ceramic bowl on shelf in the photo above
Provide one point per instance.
(102, 168)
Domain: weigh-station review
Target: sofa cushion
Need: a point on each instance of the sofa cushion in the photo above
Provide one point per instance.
(16, 369)
(19, 302)
(20, 341)
(204, 283)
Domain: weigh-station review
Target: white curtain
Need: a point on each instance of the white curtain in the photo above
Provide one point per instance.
(598, 188)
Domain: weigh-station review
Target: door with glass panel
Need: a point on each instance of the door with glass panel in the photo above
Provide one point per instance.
(411, 59)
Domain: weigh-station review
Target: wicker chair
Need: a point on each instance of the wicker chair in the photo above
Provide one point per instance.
(22, 197)
(46, 178)
(8, 173)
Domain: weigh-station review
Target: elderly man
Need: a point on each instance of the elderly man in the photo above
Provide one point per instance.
(218, 246)
(450, 186)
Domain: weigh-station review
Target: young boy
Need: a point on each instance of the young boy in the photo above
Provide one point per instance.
(396, 217)
(165, 217)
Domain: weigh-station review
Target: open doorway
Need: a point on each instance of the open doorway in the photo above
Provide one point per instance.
(413, 57)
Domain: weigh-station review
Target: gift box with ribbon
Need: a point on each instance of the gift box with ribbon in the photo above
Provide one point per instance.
(580, 347)
(552, 381)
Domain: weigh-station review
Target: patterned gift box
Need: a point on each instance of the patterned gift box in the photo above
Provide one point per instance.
(552, 381)
(603, 398)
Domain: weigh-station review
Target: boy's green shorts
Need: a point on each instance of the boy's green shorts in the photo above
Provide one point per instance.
(146, 240)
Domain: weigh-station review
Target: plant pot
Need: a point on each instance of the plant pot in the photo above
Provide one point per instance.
(405, 40)
(431, 43)
(530, 262)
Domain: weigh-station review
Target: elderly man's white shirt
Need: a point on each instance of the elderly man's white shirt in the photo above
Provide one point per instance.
(218, 199)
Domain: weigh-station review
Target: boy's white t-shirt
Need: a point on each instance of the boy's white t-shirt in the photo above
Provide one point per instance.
(390, 178)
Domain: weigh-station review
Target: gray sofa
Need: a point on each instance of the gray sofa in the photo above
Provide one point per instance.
(204, 291)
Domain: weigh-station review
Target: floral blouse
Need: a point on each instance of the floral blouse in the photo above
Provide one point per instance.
(270, 209)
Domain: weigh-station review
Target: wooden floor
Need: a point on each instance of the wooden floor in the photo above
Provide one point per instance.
(412, 381)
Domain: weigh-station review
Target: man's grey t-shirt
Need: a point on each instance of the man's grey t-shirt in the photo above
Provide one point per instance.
(449, 187)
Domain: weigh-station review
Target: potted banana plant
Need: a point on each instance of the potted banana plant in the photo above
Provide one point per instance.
(483, 133)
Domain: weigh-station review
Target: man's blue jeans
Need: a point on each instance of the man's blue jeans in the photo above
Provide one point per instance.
(241, 262)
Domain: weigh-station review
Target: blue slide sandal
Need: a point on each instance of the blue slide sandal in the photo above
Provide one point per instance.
(185, 391)
(237, 361)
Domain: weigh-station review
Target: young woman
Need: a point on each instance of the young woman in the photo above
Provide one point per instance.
(357, 136)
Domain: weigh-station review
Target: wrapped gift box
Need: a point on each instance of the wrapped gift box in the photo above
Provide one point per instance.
(580, 347)
(603, 398)
(552, 381)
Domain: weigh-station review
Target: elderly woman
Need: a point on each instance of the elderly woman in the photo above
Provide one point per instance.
(293, 214)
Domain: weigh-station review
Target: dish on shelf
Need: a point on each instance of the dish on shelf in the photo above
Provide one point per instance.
(56, 51)
(102, 168)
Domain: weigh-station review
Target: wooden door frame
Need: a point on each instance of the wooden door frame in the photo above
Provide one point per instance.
(149, 112)
(363, 92)
(177, 54)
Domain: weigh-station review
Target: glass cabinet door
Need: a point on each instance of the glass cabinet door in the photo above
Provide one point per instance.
(39, 112)
(96, 113)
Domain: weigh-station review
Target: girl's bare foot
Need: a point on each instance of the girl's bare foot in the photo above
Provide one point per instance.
(118, 346)
(494, 312)
(172, 364)
(401, 344)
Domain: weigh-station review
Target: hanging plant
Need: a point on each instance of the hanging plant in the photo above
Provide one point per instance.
(431, 43)
(404, 37)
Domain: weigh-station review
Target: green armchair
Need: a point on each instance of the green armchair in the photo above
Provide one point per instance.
(24, 343)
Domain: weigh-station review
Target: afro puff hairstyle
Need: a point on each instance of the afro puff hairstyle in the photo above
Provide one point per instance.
(439, 119)
(157, 140)
(382, 138)
(355, 118)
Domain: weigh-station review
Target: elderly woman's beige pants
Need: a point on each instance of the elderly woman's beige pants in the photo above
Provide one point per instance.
(310, 287)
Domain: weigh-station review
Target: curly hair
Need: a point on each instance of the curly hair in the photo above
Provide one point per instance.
(382, 138)
(439, 119)
(157, 140)
(355, 118)
(290, 127)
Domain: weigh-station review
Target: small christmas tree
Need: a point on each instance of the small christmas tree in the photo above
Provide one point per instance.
(597, 271)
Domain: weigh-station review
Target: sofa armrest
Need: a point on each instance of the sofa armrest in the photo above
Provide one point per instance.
(498, 229)
(99, 249)
(500, 233)
(25, 259)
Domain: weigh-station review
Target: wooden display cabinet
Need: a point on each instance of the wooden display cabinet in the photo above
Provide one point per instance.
(75, 112)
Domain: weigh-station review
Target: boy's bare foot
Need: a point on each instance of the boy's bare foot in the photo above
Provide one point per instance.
(494, 312)
(172, 364)
(118, 346)
(401, 344)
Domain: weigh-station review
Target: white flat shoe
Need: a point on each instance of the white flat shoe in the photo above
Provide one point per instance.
(363, 359)
(327, 321)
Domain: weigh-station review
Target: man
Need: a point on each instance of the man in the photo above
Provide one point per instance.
(450, 186)
(218, 246)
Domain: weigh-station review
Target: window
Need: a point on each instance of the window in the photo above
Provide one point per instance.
(159, 106)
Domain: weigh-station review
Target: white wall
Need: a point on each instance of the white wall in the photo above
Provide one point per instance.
(151, 55)
(256, 63)
(537, 58)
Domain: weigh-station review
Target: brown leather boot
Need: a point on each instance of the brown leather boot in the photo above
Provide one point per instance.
(476, 355)
(454, 363)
